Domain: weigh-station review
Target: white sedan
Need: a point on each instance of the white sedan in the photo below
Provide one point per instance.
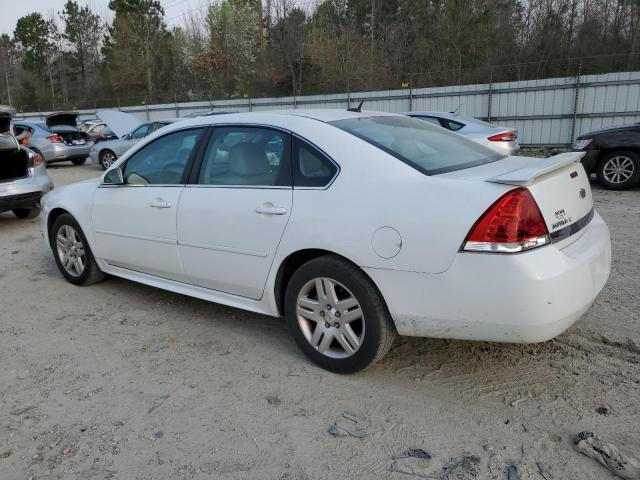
(357, 226)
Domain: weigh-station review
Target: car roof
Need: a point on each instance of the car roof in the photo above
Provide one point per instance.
(277, 117)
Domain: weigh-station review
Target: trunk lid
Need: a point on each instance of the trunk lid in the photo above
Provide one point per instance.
(69, 119)
(559, 184)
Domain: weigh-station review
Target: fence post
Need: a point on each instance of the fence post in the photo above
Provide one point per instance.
(348, 93)
(249, 102)
(575, 105)
(175, 100)
(411, 92)
(490, 99)
(146, 109)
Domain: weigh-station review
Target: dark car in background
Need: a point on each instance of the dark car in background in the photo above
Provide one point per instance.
(613, 154)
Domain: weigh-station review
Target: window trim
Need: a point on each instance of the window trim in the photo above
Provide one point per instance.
(187, 167)
(298, 138)
(192, 180)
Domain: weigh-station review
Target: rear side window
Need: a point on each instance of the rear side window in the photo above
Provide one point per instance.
(450, 124)
(429, 149)
(431, 120)
(311, 168)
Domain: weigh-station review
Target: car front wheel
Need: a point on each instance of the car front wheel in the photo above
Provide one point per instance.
(72, 252)
(337, 316)
(619, 170)
(79, 161)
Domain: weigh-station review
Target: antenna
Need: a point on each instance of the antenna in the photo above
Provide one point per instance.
(357, 109)
(456, 109)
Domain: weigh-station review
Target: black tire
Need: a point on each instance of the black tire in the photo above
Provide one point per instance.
(103, 158)
(379, 330)
(79, 161)
(91, 273)
(604, 166)
(26, 213)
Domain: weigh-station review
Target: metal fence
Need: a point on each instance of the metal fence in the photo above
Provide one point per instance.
(547, 112)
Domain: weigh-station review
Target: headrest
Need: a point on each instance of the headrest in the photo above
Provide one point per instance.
(247, 159)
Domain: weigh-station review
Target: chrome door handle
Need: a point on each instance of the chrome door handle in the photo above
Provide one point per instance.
(161, 204)
(271, 209)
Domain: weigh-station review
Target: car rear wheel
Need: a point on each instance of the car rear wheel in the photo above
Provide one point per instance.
(337, 316)
(72, 252)
(26, 213)
(619, 170)
(79, 161)
(107, 157)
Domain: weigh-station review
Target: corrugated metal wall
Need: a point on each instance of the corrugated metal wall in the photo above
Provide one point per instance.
(548, 112)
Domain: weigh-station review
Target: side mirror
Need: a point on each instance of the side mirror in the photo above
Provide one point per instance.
(113, 177)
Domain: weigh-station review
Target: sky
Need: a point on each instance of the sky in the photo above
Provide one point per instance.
(12, 10)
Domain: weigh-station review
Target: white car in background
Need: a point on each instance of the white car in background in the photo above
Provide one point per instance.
(503, 140)
(354, 225)
(129, 131)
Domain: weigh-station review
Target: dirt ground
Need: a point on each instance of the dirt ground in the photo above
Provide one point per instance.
(123, 381)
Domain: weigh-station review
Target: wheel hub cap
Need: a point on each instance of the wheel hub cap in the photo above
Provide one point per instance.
(70, 250)
(618, 169)
(330, 318)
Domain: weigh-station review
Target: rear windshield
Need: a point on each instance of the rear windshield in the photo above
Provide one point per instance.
(427, 148)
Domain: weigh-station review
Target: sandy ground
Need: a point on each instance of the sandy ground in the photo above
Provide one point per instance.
(123, 381)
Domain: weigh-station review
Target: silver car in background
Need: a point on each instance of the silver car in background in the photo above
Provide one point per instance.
(23, 175)
(501, 139)
(106, 152)
(57, 139)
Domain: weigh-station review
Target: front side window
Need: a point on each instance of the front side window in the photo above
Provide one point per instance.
(429, 149)
(141, 131)
(310, 167)
(163, 161)
(246, 156)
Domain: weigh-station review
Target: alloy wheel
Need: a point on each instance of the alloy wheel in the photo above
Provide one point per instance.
(618, 169)
(330, 318)
(108, 159)
(70, 250)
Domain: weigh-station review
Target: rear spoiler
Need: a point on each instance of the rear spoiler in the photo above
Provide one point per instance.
(539, 167)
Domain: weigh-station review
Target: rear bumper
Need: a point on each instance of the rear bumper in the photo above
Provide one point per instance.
(62, 153)
(522, 298)
(25, 192)
(23, 200)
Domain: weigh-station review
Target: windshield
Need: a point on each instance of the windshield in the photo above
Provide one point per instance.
(427, 148)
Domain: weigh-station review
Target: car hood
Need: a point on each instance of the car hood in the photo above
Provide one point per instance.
(120, 122)
(69, 119)
(620, 128)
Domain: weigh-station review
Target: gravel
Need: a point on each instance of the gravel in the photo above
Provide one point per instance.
(124, 381)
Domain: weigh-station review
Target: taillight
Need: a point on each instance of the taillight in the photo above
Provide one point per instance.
(55, 138)
(512, 224)
(503, 137)
(38, 160)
